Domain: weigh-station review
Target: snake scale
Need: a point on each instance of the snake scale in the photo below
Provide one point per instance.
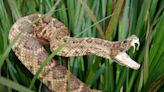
(48, 30)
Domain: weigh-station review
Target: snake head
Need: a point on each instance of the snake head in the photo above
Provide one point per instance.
(132, 41)
(122, 57)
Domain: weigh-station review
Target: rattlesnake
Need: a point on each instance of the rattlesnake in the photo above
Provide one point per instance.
(28, 48)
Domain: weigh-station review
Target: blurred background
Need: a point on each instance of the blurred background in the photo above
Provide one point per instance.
(107, 19)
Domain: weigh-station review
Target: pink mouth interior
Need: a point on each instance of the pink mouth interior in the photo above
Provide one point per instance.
(123, 59)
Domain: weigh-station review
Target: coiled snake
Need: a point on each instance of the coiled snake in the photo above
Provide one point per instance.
(29, 49)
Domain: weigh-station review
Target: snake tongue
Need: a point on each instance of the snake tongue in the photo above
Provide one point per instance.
(123, 59)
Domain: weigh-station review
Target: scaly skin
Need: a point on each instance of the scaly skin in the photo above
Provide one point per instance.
(29, 49)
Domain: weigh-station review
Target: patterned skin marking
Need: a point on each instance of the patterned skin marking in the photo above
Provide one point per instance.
(98, 41)
(108, 45)
(23, 23)
(30, 44)
(41, 56)
(17, 49)
(89, 40)
(31, 53)
(33, 17)
(47, 19)
(49, 83)
(46, 71)
(74, 84)
(31, 68)
(61, 34)
(30, 30)
(59, 74)
(57, 24)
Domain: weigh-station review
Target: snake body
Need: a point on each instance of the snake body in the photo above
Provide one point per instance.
(29, 49)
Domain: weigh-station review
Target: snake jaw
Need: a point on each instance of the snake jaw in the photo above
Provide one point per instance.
(123, 59)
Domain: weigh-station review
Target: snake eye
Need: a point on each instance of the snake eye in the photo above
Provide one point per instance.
(123, 44)
(124, 41)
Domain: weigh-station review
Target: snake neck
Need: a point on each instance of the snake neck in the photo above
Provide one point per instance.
(87, 46)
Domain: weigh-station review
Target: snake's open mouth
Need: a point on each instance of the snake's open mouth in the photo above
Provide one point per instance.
(123, 59)
(135, 42)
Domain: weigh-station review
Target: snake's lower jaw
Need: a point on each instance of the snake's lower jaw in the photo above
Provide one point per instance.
(123, 59)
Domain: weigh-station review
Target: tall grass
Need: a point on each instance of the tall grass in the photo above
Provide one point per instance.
(104, 19)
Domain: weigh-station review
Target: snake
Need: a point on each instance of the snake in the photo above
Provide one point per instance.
(29, 48)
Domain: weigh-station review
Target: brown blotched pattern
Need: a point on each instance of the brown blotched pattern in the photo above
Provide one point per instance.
(31, 53)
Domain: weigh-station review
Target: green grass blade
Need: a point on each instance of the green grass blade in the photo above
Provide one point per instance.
(13, 85)
(94, 19)
(113, 21)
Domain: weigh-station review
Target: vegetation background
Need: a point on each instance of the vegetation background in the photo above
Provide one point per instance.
(106, 19)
